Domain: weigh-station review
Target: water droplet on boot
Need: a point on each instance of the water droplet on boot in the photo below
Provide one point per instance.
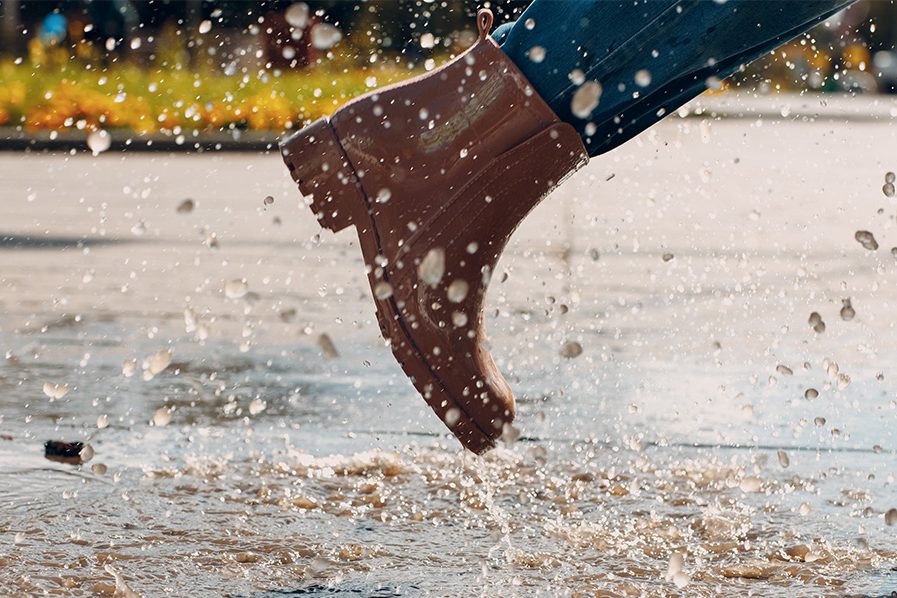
(457, 290)
(643, 78)
(256, 406)
(577, 77)
(383, 290)
(586, 99)
(157, 362)
(432, 267)
(452, 416)
(384, 195)
(537, 54)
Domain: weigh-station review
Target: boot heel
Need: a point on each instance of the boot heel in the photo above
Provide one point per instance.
(321, 169)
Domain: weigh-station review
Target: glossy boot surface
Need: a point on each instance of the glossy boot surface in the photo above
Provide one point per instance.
(435, 173)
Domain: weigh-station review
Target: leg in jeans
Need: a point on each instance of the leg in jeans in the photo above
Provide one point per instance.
(648, 56)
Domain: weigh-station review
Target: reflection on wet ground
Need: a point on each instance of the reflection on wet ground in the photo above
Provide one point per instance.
(656, 331)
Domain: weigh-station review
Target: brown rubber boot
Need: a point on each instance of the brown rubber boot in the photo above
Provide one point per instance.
(436, 173)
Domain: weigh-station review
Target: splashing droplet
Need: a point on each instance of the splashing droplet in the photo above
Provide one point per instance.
(99, 141)
(129, 367)
(784, 461)
(162, 417)
(324, 36)
(571, 350)
(459, 319)
(157, 362)
(236, 288)
(328, 348)
(55, 391)
(891, 517)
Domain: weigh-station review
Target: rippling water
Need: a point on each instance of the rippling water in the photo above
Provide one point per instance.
(289, 470)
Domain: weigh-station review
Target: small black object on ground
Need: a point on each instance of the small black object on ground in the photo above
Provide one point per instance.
(64, 452)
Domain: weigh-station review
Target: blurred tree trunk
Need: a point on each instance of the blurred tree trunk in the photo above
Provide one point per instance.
(10, 39)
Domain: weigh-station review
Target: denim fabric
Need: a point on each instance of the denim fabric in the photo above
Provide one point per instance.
(677, 44)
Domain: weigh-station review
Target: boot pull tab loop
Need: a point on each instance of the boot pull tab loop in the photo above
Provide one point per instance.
(484, 22)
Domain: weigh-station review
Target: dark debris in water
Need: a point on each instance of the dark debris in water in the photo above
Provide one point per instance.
(351, 589)
(64, 452)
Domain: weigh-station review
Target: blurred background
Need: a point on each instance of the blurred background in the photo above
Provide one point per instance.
(171, 67)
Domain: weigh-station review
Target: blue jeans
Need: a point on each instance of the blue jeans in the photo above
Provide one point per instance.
(649, 56)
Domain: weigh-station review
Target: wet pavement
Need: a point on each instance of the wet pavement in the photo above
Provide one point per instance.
(264, 461)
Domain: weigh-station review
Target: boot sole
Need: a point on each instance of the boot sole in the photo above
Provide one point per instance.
(320, 168)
